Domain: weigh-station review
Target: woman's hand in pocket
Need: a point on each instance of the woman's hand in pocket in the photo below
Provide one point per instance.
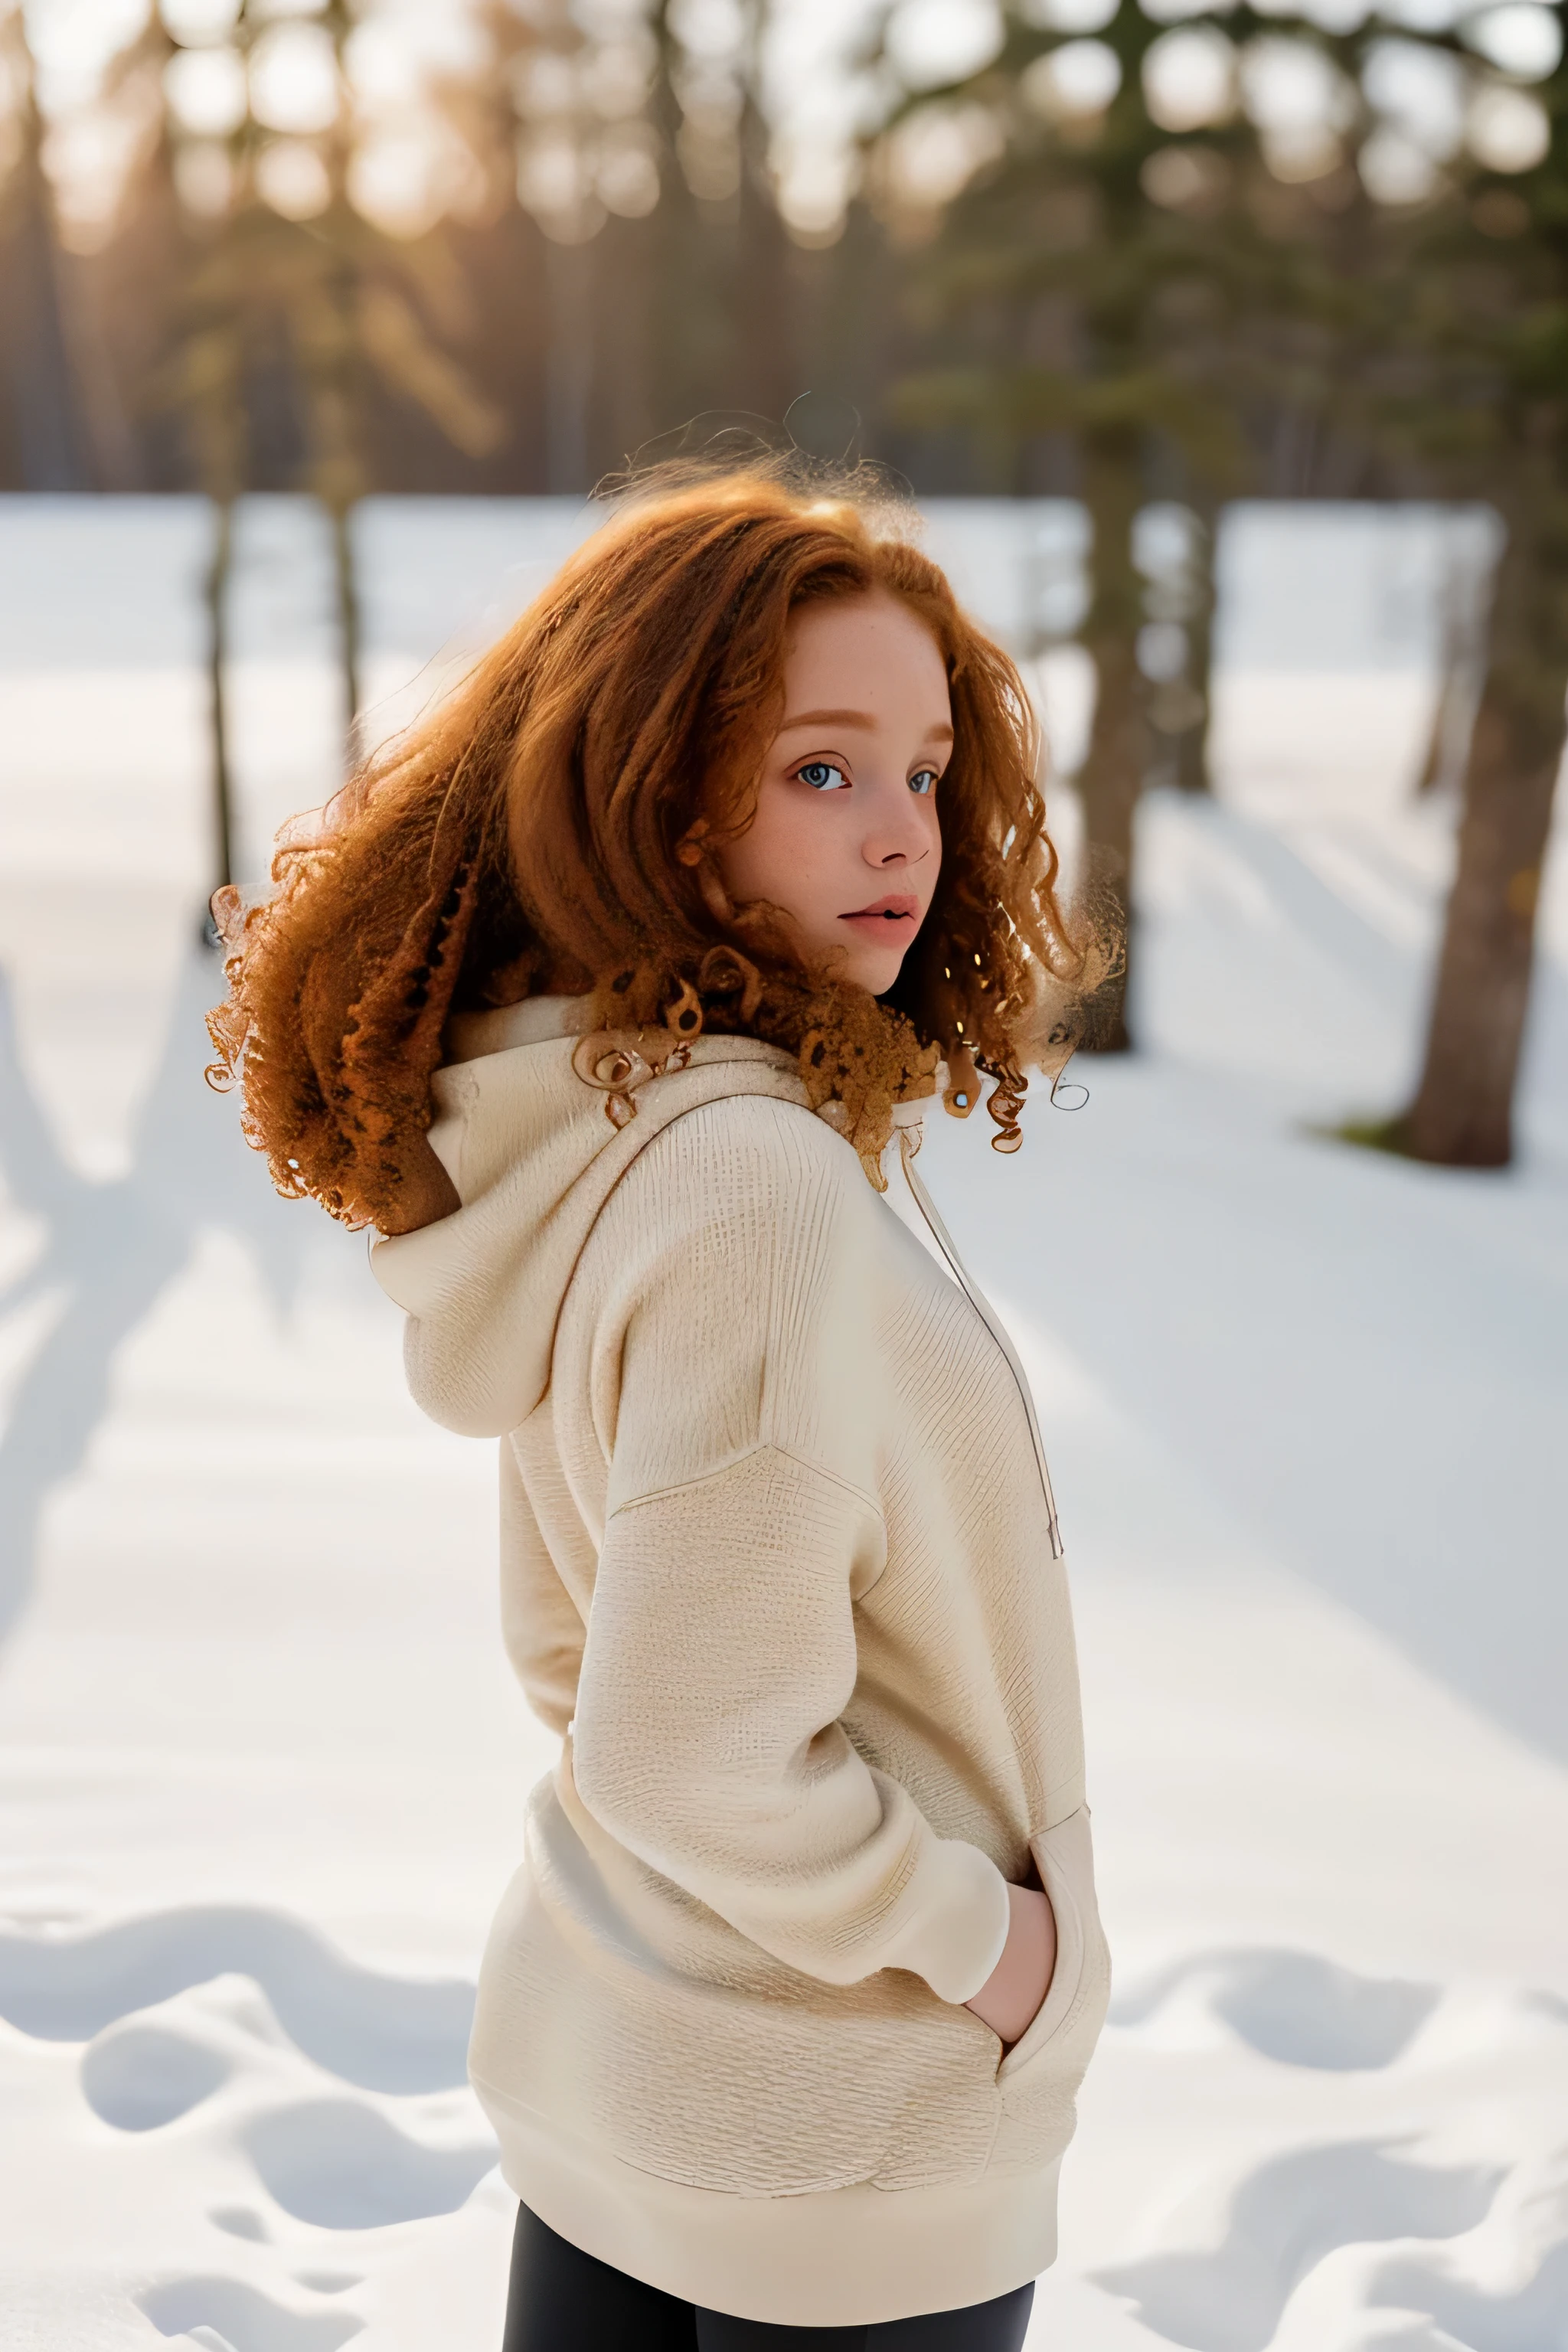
(1009, 2000)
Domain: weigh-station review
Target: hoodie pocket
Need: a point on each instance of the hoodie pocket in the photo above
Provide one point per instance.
(1080, 1988)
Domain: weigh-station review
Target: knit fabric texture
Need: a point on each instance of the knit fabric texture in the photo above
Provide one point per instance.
(775, 1564)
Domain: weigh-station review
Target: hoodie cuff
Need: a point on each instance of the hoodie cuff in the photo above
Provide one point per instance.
(954, 1921)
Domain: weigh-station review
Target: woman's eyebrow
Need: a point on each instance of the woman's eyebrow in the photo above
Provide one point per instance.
(940, 733)
(828, 719)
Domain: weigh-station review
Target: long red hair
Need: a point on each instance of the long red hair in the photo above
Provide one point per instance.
(550, 826)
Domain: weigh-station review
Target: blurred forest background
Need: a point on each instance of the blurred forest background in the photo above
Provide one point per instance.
(1125, 251)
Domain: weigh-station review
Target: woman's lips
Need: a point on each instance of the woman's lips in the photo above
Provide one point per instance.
(880, 917)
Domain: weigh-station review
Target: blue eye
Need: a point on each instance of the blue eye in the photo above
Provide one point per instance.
(822, 776)
(924, 780)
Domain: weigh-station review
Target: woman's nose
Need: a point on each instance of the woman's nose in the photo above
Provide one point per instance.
(896, 836)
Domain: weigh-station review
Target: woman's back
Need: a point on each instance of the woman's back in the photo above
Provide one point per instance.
(776, 1558)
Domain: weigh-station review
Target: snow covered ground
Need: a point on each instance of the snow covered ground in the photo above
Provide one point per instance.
(261, 1767)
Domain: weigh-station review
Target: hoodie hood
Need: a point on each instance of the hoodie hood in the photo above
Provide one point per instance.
(533, 1159)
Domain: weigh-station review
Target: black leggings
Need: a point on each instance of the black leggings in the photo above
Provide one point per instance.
(562, 2300)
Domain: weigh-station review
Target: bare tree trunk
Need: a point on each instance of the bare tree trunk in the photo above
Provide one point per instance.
(1112, 777)
(1191, 765)
(332, 363)
(216, 591)
(1462, 1113)
(569, 368)
(45, 393)
(349, 645)
(106, 424)
(763, 364)
(1462, 664)
(1451, 652)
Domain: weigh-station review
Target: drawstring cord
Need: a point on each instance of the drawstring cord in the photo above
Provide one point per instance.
(909, 1144)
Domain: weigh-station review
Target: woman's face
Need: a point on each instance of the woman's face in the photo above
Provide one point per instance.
(844, 841)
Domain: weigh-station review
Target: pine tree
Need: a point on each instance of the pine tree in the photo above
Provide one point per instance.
(1476, 324)
(289, 292)
(45, 423)
(1093, 276)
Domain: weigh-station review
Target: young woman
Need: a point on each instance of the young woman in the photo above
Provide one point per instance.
(601, 995)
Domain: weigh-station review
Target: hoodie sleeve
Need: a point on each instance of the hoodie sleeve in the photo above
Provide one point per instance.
(741, 1525)
(540, 1624)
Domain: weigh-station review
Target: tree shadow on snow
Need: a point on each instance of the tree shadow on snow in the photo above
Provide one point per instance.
(111, 1248)
(1360, 1358)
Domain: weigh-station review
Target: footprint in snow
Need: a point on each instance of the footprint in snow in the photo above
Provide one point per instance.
(340, 2163)
(155, 2065)
(138, 2077)
(1276, 2223)
(381, 2033)
(1505, 2290)
(343, 2165)
(226, 2315)
(1289, 2006)
(240, 2221)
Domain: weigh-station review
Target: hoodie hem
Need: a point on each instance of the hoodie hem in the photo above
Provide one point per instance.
(850, 2257)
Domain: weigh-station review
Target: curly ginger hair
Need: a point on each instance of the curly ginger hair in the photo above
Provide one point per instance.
(550, 826)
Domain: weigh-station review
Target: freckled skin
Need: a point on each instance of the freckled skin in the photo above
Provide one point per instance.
(846, 812)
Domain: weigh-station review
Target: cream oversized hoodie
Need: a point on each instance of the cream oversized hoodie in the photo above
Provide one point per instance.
(777, 1563)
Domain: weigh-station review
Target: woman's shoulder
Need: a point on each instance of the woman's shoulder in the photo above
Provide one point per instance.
(746, 1177)
(750, 1147)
